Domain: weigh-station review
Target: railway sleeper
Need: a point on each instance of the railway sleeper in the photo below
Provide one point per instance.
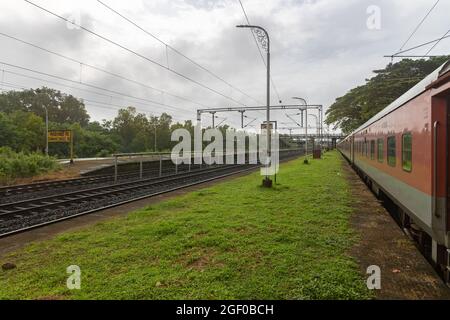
(32, 205)
(21, 208)
(47, 203)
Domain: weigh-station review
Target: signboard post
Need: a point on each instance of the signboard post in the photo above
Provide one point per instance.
(62, 136)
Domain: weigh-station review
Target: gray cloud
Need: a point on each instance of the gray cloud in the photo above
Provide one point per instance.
(320, 48)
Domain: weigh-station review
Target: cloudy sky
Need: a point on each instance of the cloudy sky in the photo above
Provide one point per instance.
(319, 48)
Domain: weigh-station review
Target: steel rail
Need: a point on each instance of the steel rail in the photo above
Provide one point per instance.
(94, 192)
(45, 185)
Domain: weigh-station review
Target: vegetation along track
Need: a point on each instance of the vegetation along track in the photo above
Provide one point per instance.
(25, 214)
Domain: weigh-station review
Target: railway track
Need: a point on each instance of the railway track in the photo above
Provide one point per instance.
(28, 213)
(19, 192)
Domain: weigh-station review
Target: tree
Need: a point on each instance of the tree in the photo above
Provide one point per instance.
(22, 131)
(163, 132)
(62, 108)
(363, 102)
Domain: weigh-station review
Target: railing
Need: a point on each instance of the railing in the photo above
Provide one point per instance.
(164, 156)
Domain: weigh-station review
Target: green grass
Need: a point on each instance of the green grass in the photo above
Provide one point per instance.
(234, 240)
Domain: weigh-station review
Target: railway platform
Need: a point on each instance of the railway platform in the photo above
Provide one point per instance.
(406, 274)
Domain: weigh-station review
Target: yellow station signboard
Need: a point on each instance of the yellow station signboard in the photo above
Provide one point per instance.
(64, 136)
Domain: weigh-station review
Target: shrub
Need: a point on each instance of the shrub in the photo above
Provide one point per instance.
(21, 165)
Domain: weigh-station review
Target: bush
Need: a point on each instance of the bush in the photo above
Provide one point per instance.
(21, 165)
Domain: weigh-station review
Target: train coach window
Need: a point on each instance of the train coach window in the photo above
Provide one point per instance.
(391, 158)
(407, 152)
(380, 143)
(372, 150)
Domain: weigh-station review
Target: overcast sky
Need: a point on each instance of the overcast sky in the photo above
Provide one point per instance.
(320, 49)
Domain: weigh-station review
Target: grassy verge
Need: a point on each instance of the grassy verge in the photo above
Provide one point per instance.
(234, 240)
(21, 165)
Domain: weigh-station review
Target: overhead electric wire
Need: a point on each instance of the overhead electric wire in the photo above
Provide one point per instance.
(92, 86)
(100, 69)
(259, 49)
(133, 52)
(419, 25)
(76, 88)
(100, 104)
(175, 50)
(437, 42)
(418, 46)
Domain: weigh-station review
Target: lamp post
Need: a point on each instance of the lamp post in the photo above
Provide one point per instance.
(306, 126)
(264, 39)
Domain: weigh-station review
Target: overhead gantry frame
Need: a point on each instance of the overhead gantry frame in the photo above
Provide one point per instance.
(242, 110)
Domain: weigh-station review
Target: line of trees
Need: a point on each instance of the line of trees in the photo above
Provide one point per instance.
(22, 126)
(363, 102)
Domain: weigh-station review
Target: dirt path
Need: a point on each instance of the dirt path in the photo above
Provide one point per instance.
(405, 273)
(67, 171)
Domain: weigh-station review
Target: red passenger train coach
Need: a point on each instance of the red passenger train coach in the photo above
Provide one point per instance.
(403, 154)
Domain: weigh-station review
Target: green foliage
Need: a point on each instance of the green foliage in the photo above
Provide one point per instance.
(363, 102)
(20, 165)
(22, 131)
(22, 126)
(62, 108)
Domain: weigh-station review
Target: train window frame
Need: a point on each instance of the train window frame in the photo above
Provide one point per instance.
(389, 148)
(407, 168)
(372, 149)
(380, 151)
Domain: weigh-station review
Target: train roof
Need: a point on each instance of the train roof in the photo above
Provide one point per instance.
(409, 95)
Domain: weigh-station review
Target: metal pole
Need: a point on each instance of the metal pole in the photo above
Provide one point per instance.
(321, 124)
(213, 118)
(160, 165)
(269, 147)
(71, 146)
(306, 133)
(267, 181)
(242, 119)
(115, 169)
(155, 138)
(140, 169)
(46, 130)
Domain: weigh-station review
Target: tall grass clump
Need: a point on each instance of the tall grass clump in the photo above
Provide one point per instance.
(15, 165)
